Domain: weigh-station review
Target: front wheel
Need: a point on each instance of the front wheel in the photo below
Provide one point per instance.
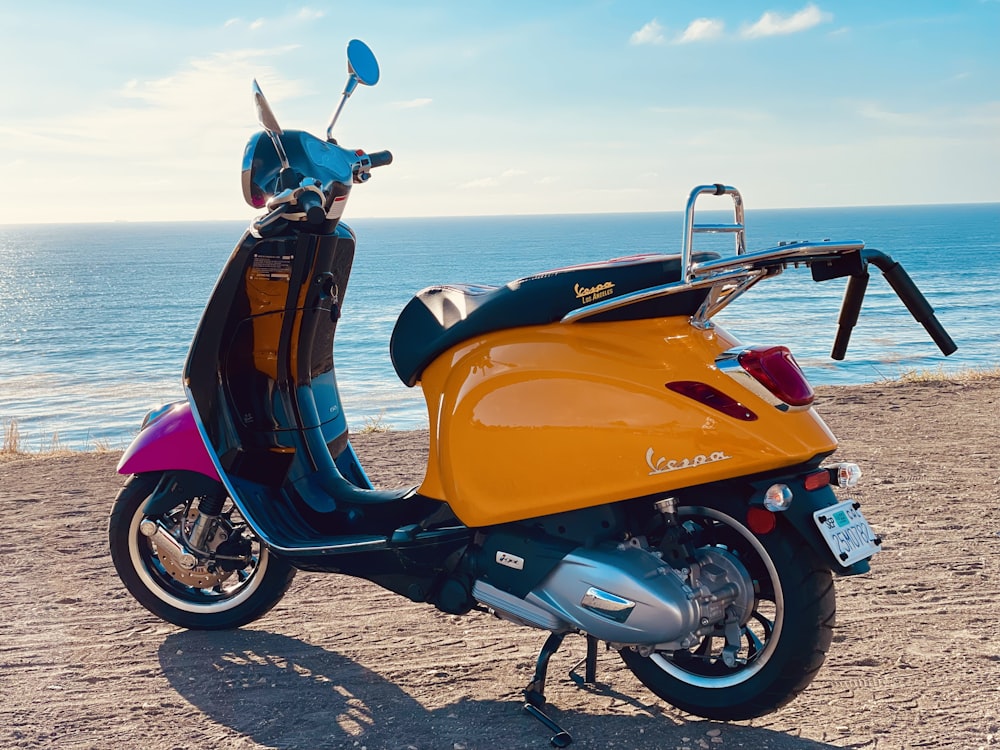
(233, 581)
(783, 637)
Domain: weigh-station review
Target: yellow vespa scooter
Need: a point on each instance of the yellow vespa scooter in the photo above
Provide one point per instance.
(604, 459)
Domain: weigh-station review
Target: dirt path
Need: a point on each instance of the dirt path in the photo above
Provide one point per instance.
(915, 662)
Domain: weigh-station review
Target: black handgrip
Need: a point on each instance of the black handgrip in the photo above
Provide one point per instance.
(849, 311)
(311, 205)
(914, 300)
(380, 158)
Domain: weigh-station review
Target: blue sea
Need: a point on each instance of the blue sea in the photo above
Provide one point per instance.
(95, 319)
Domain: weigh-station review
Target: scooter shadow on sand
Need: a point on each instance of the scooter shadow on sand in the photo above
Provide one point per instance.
(282, 692)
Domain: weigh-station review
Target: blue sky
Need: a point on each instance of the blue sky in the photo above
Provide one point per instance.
(139, 111)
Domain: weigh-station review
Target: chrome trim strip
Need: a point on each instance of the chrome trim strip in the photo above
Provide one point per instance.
(607, 605)
(729, 364)
(790, 253)
(758, 264)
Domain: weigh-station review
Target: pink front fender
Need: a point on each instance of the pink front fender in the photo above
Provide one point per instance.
(171, 441)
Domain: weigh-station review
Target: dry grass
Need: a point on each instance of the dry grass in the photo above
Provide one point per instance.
(11, 438)
(939, 374)
(15, 444)
(375, 424)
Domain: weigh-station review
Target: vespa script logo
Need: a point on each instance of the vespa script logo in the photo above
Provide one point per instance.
(508, 560)
(663, 465)
(588, 294)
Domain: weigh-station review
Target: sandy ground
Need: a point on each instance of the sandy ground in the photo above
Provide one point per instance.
(915, 660)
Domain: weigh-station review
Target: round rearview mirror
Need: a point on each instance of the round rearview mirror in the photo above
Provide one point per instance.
(361, 62)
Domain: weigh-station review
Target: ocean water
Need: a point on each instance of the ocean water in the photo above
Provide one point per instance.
(95, 319)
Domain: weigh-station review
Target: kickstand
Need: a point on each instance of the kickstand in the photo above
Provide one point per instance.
(590, 665)
(534, 694)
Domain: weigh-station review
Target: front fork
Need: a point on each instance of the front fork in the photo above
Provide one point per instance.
(186, 548)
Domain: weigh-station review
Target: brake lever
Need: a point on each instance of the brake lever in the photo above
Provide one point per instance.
(260, 224)
(308, 197)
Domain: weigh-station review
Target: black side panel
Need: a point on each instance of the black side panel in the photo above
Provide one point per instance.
(262, 381)
(261, 365)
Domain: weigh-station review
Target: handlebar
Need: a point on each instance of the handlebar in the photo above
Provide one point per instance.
(907, 292)
(915, 302)
(380, 158)
(311, 204)
(849, 311)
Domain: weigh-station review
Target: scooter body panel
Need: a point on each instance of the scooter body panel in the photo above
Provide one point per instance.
(541, 420)
(169, 442)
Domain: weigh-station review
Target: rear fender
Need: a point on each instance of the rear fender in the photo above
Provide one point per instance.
(800, 516)
(170, 441)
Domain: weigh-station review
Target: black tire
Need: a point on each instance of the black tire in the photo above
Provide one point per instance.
(232, 600)
(783, 641)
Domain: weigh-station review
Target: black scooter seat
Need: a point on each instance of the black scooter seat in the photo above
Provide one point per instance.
(439, 317)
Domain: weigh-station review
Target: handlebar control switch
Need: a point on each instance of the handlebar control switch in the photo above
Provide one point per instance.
(362, 167)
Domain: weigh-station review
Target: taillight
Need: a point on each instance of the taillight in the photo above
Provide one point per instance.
(709, 396)
(775, 368)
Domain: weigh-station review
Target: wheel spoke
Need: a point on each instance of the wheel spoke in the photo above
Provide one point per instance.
(754, 644)
(765, 622)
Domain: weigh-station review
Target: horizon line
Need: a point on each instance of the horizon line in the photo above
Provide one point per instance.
(504, 215)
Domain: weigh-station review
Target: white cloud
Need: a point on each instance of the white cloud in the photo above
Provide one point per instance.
(878, 113)
(774, 24)
(963, 122)
(412, 103)
(701, 30)
(303, 15)
(309, 14)
(218, 80)
(167, 147)
(651, 33)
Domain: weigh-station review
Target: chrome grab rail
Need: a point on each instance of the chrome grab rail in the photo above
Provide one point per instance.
(733, 275)
(738, 227)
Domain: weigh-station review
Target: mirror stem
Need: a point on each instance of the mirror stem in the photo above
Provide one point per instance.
(282, 157)
(352, 83)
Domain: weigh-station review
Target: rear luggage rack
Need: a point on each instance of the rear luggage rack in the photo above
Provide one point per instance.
(729, 277)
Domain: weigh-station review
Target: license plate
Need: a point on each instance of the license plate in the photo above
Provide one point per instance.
(847, 533)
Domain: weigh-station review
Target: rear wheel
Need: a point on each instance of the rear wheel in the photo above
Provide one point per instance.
(233, 580)
(783, 638)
